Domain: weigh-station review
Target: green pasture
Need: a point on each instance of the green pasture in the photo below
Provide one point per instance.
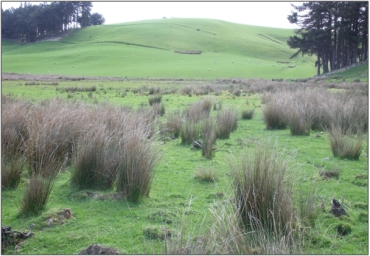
(146, 49)
(143, 52)
(181, 201)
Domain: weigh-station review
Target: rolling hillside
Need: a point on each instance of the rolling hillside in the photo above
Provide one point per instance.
(147, 49)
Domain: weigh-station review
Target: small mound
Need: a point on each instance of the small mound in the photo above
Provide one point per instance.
(97, 249)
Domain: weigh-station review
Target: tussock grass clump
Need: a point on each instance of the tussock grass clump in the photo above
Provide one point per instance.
(187, 90)
(154, 90)
(53, 127)
(36, 195)
(13, 135)
(80, 89)
(343, 144)
(227, 122)
(11, 171)
(190, 131)
(95, 160)
(209, 132)
(159, 109)
(247, 114)
(136, 168)
(225, 236)
(274, 114)
(199, 110)
(174, 123)
(299, 117)
(155, 99)
(263, 192)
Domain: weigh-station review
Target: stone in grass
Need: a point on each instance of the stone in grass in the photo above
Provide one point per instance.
(337, 209)
(97, 249)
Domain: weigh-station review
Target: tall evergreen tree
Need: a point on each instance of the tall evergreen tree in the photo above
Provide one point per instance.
(29, 23)
(336, 32)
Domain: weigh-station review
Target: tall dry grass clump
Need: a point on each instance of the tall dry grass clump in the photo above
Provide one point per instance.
(190, 131)
(174, 123)
(36, 194)
(136, 168)
(53, 126)
(349, 111)
(344, 144)
(225, 236)
(274, 114)
(263, 192)
(227, 122)
(117, 150)
(299, 118)
(155, 99)
(13, 135)
(198, 111)
(159, 109)
(209, 135)
(95, 160)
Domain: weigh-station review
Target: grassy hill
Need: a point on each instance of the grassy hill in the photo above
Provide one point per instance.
(147, 49)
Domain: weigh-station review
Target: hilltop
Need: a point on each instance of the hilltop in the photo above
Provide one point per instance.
(148, 49)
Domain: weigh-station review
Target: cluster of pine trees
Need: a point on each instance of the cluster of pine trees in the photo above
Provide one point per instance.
(336, 32)
(30, 23)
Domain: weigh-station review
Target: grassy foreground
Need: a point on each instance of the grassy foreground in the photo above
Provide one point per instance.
(179, 200)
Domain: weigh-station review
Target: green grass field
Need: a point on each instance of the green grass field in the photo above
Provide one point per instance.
(146, 49)
(177, 199)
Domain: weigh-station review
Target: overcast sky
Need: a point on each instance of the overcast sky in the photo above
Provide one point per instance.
(268, 14)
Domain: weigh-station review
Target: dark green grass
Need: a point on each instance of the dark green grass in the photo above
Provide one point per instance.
(120, 225)
(359, 72)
